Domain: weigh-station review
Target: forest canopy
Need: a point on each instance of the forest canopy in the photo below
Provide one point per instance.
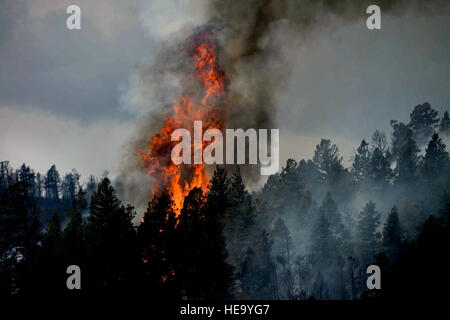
(309, 233)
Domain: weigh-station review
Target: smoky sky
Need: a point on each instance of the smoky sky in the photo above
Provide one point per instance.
(344, 81)
(75, 74)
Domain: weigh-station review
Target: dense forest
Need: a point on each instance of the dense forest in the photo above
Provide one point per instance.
(309, 233)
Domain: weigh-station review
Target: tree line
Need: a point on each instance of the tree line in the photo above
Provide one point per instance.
(309, 233)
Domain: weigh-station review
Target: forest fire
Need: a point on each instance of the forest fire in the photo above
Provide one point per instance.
(207, 104)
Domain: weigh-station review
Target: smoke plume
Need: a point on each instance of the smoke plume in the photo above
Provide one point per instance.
(257, 41)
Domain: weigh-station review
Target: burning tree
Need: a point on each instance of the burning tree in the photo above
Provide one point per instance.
(207, 105)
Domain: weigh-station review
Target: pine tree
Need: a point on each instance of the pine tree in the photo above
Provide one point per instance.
(240, 219)
(5, 176)
(333, 216)
(368, 235)
(323, 248)
(202, 269)
(192, 257)
(291, 187)
(25, 174)
(49, 273)
(379, 169)
(284, 190)
(219, 272)
(405, 151)
(19, 236)
(20, 220)
(155, 235)
(392, 235)
(69, 185)
(436, 160)
(360, 167)
(91, 186)
(423, 122)
(52, 182)
(39, 185)
(258, 272)
(73, 245)
(219, 194)
(110, 235)
(328, 160)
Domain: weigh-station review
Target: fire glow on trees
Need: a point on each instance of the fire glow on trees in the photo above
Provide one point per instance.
(209, 106)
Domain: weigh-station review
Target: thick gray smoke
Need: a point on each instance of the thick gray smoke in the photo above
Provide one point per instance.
(257, 40)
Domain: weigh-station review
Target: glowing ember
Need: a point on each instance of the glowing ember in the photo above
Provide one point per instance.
(209, 107)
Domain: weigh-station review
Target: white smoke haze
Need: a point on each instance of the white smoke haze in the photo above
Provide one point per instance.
(109, 17)
(49, 139)
(165, 19)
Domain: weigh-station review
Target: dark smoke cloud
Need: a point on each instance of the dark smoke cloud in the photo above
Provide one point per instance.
(256, 40)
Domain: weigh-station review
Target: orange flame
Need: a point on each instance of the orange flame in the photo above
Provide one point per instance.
(209, 108)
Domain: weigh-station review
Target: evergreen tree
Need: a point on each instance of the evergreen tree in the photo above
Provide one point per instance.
(258, 272)
(110, 236)
(328, 160)
(379, 169)
(291, 187)
(240, 219)
(69, 186)
(333, 216)
(218, 272)
(360, 167)
(73, 246)
(19, 236)
(39, 185)
(20, 220)
(219, 200)
(436, 160)
(423, 122)
(52, 182)
(91, 186)
(25, 174)
(368, 235)
(202, 268)
(323, 248)
(405, 151)
(155, 234)
(49, 273)
(192, 258)
(392, 235)
(5, 176)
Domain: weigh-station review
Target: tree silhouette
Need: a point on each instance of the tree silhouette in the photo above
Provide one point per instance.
(367, 226)
(392, 236)
(155, 234)
(110, 236)
(423, 122)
